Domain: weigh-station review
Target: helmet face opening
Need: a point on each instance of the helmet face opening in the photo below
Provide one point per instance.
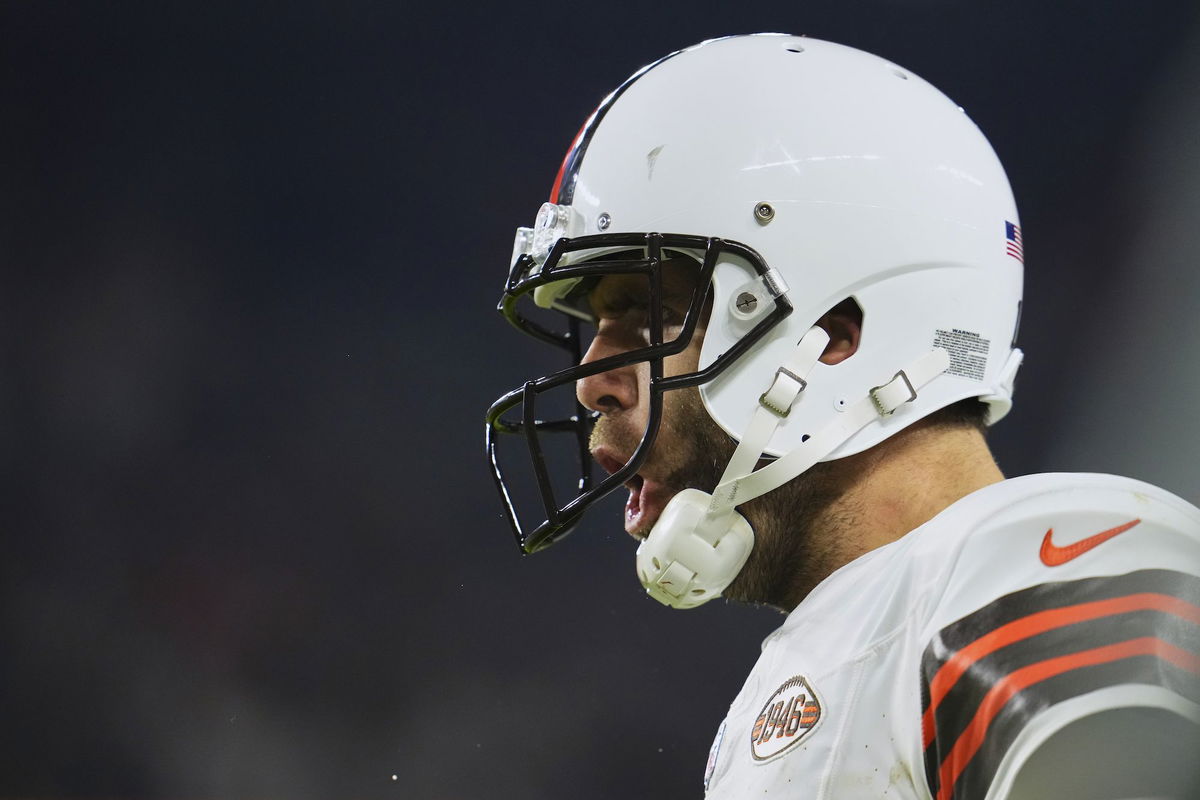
(562, 282)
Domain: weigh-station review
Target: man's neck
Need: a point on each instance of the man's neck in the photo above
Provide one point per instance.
(911, 478)
(892, 489)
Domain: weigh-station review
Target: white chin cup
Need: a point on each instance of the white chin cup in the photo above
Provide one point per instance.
(690, 557)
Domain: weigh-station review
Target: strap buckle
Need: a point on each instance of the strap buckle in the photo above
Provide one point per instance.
(881, 404)
(779, 398)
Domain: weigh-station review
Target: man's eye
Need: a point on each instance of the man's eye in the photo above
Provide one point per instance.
(671, 318)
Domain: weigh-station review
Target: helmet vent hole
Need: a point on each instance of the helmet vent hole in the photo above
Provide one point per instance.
(805, 438)
(900, 74)
(657, 564)
(795, 49)
(697, 591)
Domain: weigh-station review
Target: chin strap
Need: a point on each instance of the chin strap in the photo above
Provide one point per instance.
(774, 406)
(701, 542)
(739, 487)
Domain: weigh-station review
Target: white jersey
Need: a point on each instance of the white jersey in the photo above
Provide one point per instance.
(1040, 637)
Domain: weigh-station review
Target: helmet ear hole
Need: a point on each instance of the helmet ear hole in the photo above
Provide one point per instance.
(844, 324)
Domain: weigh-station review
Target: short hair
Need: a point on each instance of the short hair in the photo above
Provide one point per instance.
(969, 413)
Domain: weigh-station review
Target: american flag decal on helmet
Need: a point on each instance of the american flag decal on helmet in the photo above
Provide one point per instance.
(1013, 246)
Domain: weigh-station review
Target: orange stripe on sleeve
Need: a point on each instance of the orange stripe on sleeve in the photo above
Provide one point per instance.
(973, 737)
(1036, 623)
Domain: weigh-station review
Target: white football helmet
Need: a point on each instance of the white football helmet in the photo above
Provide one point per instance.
(798, 173)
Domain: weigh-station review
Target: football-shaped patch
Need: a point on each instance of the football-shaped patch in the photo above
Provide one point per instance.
(790, 714)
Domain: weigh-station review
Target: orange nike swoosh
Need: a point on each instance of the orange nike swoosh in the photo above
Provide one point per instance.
(1053, 556)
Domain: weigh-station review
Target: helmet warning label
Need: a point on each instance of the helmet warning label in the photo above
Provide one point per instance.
(968, 352)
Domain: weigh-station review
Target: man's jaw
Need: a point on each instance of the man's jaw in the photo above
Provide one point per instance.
(647, 497)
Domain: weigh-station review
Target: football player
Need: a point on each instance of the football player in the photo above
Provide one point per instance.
(788, 275)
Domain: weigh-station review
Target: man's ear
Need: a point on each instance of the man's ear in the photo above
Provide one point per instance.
(843, 323)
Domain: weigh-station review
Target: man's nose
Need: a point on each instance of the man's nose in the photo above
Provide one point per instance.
(612, 390)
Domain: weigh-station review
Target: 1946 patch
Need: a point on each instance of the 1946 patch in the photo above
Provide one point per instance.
(788, 717)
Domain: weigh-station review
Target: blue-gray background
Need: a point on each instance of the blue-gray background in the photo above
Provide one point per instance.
(249, 260)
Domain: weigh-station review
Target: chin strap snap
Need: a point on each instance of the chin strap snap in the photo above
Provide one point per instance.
(701, 542)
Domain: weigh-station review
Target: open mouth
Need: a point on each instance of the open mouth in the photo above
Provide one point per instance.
(646, 500)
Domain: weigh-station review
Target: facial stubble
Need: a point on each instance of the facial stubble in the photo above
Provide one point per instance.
(796, 527)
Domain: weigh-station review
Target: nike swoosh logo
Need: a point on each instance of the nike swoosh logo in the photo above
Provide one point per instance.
(1054, 556)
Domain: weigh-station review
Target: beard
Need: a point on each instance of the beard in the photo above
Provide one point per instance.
(798, 540)
(795, 526)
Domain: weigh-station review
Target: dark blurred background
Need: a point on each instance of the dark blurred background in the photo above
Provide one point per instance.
(250, 255)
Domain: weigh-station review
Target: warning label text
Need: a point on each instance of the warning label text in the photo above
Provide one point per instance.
(968, 352)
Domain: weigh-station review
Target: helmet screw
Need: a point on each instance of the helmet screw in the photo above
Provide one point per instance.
(603, 221)
(764, 212)
(746, 302)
